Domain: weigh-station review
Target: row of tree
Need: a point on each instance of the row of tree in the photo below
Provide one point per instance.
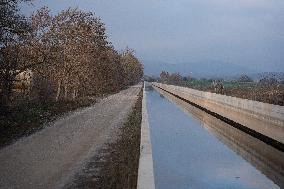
(171, 78)
(176, 78)
(68, 54)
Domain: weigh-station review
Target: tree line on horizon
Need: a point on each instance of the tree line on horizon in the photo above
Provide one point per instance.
(175, 78)
(67, 55)
(268, 88)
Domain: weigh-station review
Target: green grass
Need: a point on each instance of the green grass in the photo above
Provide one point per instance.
(204, 84)
(198, 84)
(241, 85)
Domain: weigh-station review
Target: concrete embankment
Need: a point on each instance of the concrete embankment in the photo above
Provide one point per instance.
(265, 121)
(265, 158)
(145, 171)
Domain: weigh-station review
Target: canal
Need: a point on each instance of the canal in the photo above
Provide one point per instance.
(192, 149)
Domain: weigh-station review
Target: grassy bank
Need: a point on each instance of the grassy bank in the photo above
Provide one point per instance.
(116, 165)
(121, 167)
(272, 94)
(26, 118)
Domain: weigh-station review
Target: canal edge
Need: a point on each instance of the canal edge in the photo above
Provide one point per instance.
(145, 170)
(264, 138)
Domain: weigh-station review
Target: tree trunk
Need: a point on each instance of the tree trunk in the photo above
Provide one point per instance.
(5, 97)
(58, 91)
(5, 94)
(74, 94)
(65, 91)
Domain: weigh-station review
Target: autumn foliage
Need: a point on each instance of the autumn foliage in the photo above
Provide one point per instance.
(68, 55)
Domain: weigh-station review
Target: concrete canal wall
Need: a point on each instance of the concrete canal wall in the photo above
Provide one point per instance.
(263, 118)
(265, 158)
(145, 170)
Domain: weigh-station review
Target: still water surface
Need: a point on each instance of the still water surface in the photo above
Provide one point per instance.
(192, 149)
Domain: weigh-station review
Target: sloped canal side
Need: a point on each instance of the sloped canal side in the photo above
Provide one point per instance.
(192, 149)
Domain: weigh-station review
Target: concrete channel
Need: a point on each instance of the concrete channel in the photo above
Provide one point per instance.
(265, 158)
(261, 120)
(194, 149)
(166, 159)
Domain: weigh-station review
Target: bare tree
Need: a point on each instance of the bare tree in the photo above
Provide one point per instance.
(80, 60)
(13, 27)
(69, 54)
(132, 67)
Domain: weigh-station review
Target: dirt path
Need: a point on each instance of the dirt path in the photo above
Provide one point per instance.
(49, 158)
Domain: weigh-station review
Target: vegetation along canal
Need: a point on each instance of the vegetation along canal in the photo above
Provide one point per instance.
(192, 149)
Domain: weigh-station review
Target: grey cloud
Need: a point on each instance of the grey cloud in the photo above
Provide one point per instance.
(248, 33)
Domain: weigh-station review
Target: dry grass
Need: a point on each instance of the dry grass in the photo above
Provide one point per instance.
(27, 118)
(269, 94)
(272, 94)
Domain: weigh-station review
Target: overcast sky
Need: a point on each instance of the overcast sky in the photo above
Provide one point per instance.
(248, 34)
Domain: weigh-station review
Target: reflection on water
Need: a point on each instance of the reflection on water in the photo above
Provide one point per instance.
(189, 150)
(148, 87)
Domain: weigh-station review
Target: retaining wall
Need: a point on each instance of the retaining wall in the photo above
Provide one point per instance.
(266, 119)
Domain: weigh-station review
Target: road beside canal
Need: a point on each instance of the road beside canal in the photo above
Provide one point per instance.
(51, 157)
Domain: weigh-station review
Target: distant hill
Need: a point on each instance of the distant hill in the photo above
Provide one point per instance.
(198, 69)
(209, 69)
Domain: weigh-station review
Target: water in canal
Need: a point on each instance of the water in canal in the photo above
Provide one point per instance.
(192, 149)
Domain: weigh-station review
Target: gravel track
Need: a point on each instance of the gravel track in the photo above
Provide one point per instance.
(50, 158)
